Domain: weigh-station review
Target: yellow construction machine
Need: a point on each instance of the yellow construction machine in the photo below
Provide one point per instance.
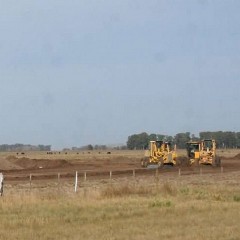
(203, 152)
(160, 153)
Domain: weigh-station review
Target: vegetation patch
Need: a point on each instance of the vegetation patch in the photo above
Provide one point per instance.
(236, 198)
(160, 204)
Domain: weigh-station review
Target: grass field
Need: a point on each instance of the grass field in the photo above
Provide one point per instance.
(148, 208)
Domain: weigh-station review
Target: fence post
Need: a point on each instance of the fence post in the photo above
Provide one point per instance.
(179, 172)
(58, 181)
(30, 181)
(76, 182)
(134, 173)
(110, 175)
(85, 176)
(1, 184)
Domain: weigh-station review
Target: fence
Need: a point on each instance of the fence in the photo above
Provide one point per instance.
(80, 178)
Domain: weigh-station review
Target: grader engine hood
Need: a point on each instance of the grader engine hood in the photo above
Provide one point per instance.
(207, 157)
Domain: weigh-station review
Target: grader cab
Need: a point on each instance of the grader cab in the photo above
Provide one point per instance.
(193, 152)
(160, 153)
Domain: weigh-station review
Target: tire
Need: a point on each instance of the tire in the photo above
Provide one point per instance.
(196, 163)
(160, 163)
(144, 162)
(183, 161)
(217, 162)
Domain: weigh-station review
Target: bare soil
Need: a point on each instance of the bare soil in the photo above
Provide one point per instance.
(95, 164)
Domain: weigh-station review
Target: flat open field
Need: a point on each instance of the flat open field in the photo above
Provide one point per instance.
(200, 203)
(42, 165)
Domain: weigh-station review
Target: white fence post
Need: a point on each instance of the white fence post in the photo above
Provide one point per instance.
(76, 182)
(1, 184)
(30, 181)
(58, 181)
(179, 172)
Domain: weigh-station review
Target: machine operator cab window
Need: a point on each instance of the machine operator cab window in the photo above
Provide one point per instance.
(159, 144)
(169, 145)
(194, 148)
(207, 145)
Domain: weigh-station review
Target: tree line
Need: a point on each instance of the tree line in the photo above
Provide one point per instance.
(23, 147)
(225, 139)
(90, 147)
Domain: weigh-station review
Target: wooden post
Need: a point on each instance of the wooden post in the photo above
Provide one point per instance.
(179, 172)
(85, 176)
(110, 175)
(30, 181)
(134, 174)
(221, 169)
(76, 182)
(201, 171)
(1, 184)
(58, 181)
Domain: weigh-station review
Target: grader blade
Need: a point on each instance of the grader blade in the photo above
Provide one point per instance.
(152, 166)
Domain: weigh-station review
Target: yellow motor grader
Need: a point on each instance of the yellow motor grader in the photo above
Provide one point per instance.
(203, 152)
(160, 153)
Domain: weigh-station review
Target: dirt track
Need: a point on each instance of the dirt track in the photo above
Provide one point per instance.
(43, 167)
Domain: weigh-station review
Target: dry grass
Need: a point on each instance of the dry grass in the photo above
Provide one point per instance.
(73, 155)
(142, 209)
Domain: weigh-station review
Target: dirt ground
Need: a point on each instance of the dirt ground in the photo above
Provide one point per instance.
(45, 165)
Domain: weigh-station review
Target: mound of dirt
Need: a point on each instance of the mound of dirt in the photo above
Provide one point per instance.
(236, 156)
(182, 161)
(27, 163)
(6, 164)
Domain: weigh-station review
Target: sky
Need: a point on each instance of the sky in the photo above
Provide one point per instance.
(81, 72)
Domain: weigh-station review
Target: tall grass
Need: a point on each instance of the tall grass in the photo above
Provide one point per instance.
(128, 210)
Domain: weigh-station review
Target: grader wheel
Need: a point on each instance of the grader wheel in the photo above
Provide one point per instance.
(144, 162)
(217, 162)
(160, 163)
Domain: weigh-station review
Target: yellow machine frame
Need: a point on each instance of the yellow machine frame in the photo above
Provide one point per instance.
(203, 152)
(159, 154)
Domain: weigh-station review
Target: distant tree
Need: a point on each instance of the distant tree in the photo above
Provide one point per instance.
(123, 147)
(181, 139)
(238, 139)
(89, 147)
(194, 138)
(206, 135)
(226, 139)
(152, 137)
(24, 147)
(160, 137)
(100, 147)
(138, 141)
(169, 139)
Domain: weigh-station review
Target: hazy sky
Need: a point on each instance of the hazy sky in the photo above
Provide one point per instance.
(96, 71)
